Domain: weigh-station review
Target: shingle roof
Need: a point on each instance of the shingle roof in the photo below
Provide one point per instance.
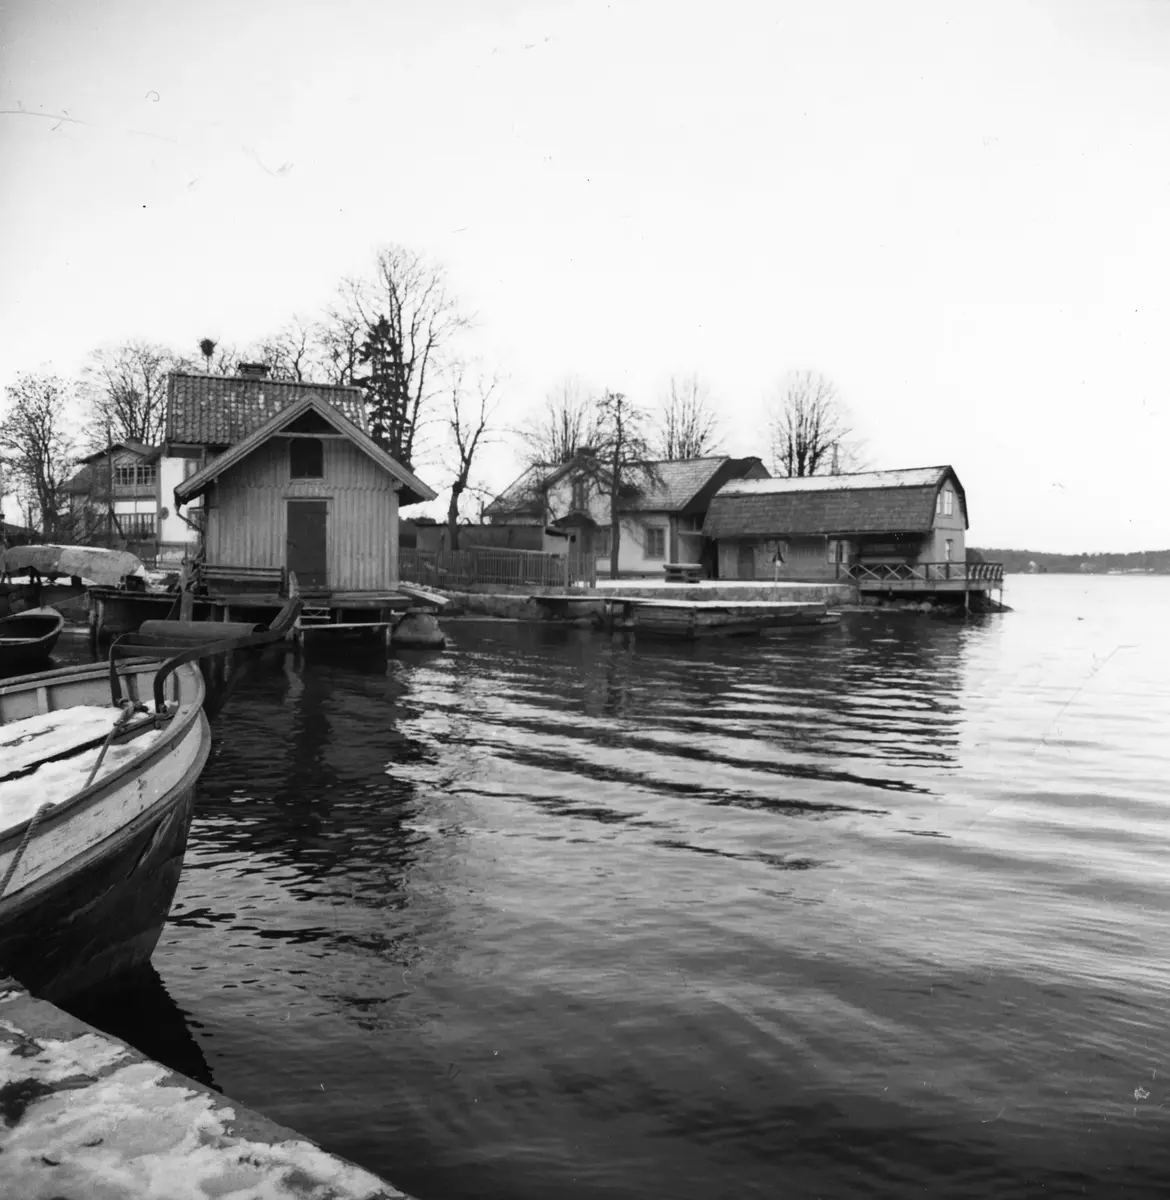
(867, 502)
(676, 483)
(220, 410)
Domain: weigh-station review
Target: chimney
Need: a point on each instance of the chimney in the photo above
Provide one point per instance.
(253, 370)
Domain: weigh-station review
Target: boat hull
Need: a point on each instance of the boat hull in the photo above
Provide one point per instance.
(92, 882)
(27, 639)
(104, 919)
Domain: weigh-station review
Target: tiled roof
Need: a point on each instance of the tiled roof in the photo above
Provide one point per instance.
(412, 491)
(220, 410)
(868, 502)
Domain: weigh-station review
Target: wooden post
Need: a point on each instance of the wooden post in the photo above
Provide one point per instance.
(186, 599)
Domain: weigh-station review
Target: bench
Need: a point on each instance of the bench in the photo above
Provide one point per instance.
(683, 572)
(219, 579)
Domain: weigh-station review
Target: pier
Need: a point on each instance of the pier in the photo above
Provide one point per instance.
(84, 1114)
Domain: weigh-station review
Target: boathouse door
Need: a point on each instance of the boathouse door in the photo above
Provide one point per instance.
(306, 543)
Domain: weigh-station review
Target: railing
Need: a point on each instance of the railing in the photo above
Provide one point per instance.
(927, 572)
(482, 564)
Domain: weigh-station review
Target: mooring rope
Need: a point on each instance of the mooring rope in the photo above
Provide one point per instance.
(24, 841)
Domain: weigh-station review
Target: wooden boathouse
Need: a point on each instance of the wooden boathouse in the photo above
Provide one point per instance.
(891, 533)
(305, 491)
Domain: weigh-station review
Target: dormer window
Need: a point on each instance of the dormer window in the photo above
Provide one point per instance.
(306, 458)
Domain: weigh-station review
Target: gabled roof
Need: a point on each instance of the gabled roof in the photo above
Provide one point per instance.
(220, 410)
(521, 497)
(80, 483)
(674, 486)
(865, 502)
(413, 489)
(682, 483)
(140, 448)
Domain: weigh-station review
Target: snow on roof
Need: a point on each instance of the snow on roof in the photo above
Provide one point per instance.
(911, 477)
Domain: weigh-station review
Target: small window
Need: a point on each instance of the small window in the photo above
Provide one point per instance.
(655, 541)
(306, 458)
(948, 499)
(578, 501)
(950, 549)
(190, 467)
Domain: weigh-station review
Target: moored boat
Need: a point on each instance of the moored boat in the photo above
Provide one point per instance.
(27, 639)
(97, 786)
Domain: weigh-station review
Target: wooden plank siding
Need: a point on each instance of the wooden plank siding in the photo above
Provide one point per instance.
(247, 514)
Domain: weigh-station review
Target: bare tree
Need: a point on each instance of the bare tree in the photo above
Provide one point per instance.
(625, 461)
(688, 426)
(340, 334)
(35, 433)
(474, 402)
(809, 427)
(293, 352)
(126, 387)
(401, 321)
(566, 424)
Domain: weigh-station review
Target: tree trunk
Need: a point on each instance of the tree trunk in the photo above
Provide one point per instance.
(453, 514)
(615, 525)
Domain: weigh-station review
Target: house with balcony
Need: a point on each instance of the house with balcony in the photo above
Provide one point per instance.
(661, 508)
(114, 499)
(893, 532)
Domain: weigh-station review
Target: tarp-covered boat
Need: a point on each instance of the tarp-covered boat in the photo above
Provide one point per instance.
(27, 639)
(94, 565)
(97, 786)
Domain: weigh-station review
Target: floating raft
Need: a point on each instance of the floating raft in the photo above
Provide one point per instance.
(712, 618)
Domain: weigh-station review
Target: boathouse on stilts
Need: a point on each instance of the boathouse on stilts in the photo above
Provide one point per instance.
(305, 491)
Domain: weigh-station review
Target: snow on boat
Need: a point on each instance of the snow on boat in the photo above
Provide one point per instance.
(27, 639)
(97, 787)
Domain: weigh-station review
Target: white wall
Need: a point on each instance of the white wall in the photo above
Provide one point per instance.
(632, 555)
(172, 528)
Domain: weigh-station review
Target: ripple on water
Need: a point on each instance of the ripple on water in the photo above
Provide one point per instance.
(879, 913)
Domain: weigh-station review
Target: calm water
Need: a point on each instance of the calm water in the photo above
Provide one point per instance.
(881, 913)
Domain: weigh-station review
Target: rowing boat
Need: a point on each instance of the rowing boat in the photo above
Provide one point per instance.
(27, 639)
(98, 768)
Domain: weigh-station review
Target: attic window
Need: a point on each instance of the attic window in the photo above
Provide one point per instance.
(948, 499)
(306, 458)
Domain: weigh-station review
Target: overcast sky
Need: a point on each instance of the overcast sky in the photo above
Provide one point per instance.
(958, 212)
